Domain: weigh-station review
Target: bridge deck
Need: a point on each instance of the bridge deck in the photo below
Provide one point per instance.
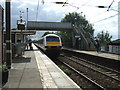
(33, 25)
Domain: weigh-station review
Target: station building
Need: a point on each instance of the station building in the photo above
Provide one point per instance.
(114, 46)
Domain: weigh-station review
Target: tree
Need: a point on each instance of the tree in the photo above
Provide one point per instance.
(103, 37)
(77, 20)
(14, 28)
(47, 33)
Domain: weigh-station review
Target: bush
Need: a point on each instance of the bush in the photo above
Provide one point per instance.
(3, 68)
(5, 73)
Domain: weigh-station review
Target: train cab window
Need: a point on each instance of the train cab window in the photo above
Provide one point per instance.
(52, 39)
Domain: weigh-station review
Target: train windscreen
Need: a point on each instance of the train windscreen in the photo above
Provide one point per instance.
(52, 39)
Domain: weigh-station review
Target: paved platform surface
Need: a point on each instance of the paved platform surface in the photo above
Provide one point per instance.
(24, 72)
(100, 54)
(36, 70)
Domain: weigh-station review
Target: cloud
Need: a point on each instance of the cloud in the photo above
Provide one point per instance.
(110, 25)
(54, 12)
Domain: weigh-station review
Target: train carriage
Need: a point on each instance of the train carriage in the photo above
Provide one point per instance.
(51, 44)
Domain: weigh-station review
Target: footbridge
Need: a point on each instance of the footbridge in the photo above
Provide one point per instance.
(57, 26)
(86, 42)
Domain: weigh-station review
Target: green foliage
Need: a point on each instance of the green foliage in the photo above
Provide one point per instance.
(77, 20)
(103, 37)
(47, 33)
(3, 68)
(14, 28)
(66, 38)
(82, 87)
(67, 71)
(73, 18)
(89, 28)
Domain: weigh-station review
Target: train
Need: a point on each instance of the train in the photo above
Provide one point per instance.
(51, 45)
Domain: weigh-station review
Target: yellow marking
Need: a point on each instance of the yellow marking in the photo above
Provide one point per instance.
(52, 43)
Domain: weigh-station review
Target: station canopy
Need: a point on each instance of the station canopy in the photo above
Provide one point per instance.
(25, 32)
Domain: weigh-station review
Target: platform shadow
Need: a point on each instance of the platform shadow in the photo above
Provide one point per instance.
(21, 59)
(32, 50)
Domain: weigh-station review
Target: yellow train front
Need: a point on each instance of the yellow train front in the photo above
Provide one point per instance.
(51, 45)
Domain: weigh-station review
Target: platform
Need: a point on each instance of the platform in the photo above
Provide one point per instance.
(36, 70)
(94, 53)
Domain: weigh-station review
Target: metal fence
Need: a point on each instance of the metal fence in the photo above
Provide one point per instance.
(114, 49)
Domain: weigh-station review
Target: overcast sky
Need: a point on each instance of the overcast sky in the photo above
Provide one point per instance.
(49, 11)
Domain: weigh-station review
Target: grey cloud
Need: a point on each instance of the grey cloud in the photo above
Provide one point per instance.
(43, 15)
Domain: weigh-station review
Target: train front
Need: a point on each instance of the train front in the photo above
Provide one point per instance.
(53, 45)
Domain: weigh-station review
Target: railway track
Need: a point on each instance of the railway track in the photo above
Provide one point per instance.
(100, 76)
(106, 71)
(90, 83)
(104, 61)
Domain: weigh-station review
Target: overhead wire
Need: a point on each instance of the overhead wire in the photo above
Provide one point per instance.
(106, 18)
(109, 9)
(37, 10)
(110, 5)
(80, 7)
(103, 12)
(74, 5)
(83, 5)
(99, 14)
(67, 8)
(65, 3)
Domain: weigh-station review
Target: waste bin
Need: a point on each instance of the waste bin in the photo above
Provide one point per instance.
(20, 48)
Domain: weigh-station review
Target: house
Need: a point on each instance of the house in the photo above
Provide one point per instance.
(114, 46)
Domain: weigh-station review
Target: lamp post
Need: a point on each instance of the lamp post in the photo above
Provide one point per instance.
(21, 26)
(27, 18)
(27, 22)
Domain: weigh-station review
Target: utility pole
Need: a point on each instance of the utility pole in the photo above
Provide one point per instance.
(8, 34)
(27, 18)
(22, 26)
(27, 25)
(119, 20)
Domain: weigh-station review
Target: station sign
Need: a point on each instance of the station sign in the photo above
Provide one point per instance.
(21, 24)
(77, 36)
